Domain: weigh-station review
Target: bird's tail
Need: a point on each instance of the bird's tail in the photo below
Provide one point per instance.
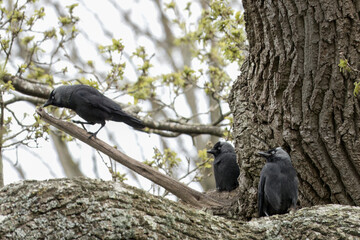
(129, 120)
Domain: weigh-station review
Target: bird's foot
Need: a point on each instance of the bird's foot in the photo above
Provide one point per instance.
(92, 135)
(79, 122)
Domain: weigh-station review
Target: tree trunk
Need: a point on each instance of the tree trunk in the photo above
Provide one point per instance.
(82, 208)
(291, 93)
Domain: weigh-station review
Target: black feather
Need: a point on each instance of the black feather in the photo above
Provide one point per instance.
(90, 105)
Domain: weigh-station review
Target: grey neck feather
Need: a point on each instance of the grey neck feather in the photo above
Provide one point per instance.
(65, 93)
(227, 147)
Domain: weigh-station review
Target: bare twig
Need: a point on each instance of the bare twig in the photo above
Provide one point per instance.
(180, 190)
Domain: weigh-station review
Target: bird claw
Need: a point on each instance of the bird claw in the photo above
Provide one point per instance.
(92, 135)
(77, 122)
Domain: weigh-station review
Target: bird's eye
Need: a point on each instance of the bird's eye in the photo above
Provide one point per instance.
(53, 97)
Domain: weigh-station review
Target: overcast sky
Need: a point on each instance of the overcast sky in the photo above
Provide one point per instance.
(36, 162)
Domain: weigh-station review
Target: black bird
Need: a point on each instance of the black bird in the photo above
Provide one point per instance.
(91, 105)
(278, 186)
(226, 169)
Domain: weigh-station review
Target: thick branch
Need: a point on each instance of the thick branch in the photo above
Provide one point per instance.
(28, 87)
(180, 190)
(83, 208)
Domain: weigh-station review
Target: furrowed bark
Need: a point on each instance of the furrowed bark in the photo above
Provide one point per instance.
(292, 93)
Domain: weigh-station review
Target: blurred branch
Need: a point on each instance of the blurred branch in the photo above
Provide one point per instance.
(18, 98)
(71, 169)
(163, 133)
(221, 118)
(190, 129)
(14, 135)
(180, 190)
(28, 87)
(18, 168)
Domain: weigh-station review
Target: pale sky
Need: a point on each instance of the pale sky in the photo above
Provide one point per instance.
(137, 145)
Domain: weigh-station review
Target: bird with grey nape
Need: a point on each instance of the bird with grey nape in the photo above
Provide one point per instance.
(278, 186)
(90, 105)
(226, 169)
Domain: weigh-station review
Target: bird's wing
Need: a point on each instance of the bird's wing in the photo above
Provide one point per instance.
(272, 187)
(96, 101)
(94, 98)
(290, 185)
(221, 158)
(269, 187)
(227, 164)
(217, 174)
(261, 194)
(220, 169)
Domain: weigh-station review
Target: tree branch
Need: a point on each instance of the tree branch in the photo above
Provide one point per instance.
(190, 129)
(83, 208)
(28, 87)
(19, 97)
(180, 190)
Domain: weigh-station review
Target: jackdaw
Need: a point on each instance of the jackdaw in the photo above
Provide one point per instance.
(91, 105)
(226, 169)
(278, 186)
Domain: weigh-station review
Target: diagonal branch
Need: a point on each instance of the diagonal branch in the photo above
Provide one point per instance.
(180, 190)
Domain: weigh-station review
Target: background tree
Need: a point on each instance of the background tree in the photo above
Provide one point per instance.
(292, 93)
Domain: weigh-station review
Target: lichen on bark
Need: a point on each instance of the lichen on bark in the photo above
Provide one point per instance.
(83, 208)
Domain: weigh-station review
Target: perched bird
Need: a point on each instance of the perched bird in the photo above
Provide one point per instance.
(278, 186)
(91, 105)
(226, 169)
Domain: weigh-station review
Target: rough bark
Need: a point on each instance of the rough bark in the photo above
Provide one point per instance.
(291, 93)
(83, 208)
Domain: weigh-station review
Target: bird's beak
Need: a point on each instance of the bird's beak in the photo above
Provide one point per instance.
(212, 151)
(264, 154)
(48, 102)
